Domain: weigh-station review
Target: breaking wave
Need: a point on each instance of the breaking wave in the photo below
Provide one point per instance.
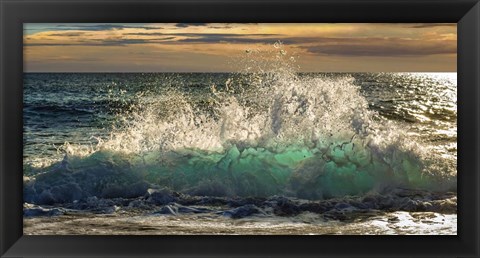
(266, 131)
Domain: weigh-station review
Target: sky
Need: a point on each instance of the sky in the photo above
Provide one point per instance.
(215, 47)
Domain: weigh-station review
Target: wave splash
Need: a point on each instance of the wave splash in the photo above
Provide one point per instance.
(266, 131)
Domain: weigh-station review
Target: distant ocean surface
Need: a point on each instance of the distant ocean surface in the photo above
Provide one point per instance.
(307, 136)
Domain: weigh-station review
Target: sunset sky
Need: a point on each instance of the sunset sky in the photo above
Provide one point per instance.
(211, 47)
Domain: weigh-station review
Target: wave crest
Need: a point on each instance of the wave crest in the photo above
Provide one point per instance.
(266, 131)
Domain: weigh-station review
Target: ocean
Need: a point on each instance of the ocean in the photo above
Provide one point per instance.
(262, 152)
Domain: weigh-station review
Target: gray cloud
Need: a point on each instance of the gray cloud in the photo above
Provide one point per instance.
(145, 34)
(100, 27)
(430, 25)
(168, 38)
(67, 34)
(220, 27)
(204, 35)
(214, 37)
(185, 25)
(375, 50)
(381, 47)
(108, 42)
(227, 39)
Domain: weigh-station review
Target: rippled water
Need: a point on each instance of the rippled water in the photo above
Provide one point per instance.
(395, 223)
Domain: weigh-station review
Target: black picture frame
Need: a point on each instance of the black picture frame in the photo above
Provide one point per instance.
(14, 13)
